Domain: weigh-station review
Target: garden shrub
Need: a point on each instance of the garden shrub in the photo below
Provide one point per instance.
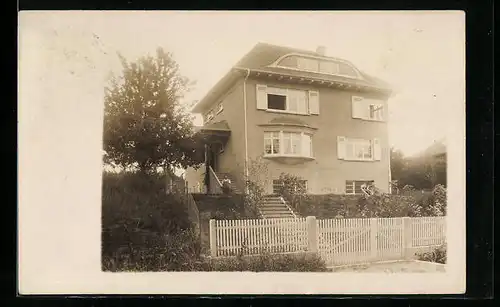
(438, 255)
(152, 251)
(140, 221)
(298, 262)
(434, 203)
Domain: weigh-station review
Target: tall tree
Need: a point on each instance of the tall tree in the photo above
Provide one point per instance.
(145, 125)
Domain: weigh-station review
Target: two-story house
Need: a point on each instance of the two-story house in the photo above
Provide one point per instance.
(303, 113)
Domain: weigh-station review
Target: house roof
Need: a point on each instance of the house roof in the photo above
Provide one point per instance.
(262, 55)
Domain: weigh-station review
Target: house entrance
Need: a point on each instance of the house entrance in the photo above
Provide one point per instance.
(214, 151)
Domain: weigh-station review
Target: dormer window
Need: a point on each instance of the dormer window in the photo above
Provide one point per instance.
(320, 65)
(307, 64)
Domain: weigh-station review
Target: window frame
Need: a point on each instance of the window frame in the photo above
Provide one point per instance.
(287, 93)
(318, 59)
(282, 134)
(354, 142)
(354, 186)
(379, 106)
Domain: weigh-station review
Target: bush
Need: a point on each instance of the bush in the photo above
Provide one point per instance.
(299, 262)
(143, 226)
(292, 189)
(438, 255)
(252, 199)
(386, 206)
(434, 204)
(225, 206)
(152, 251)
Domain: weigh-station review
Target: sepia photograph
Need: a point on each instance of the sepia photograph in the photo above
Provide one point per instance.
(260, 142)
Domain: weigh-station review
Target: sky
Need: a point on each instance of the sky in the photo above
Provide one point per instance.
(421, 54)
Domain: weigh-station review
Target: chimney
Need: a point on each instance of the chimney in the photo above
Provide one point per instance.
(321, 50)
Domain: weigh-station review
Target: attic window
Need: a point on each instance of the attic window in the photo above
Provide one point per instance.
(318, 65)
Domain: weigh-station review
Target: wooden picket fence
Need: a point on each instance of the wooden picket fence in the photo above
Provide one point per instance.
(250, 237)
(338, 241)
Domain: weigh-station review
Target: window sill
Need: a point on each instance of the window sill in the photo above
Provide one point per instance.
(360, 160)
(370, 120)
(289, 159)
(286, 112)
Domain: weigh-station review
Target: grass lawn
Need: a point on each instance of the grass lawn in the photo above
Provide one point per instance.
(394, 267)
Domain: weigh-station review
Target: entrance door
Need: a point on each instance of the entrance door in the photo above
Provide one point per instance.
(213, 158)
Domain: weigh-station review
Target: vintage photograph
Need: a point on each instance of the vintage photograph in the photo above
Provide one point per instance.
(298, 158)
(254, 145)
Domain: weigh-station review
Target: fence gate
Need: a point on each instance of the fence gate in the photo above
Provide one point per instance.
(353, 241)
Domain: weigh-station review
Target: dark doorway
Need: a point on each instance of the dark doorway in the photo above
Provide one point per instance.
(213, 157)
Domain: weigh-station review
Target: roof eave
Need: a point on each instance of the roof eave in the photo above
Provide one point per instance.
(319, 80)
(215, 91)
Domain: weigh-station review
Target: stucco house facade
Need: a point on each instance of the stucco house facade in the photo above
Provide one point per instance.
(297, 112)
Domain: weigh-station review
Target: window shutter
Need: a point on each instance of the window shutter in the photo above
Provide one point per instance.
(261, 97)
(306, 145)
(358, 107)
(381, 112)
(377, 151)
(314, 102)
(341, 141)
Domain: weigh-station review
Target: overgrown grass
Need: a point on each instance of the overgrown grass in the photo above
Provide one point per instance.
(298, 262)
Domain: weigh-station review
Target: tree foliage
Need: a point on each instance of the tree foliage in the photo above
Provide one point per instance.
(145, 124)
(421, 173)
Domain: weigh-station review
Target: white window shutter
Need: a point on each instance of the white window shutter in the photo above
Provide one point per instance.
(381, 112)
(314, 102)
(306, 145)
(341, 141)
(358, 107)
(377, 150)
(261, 97)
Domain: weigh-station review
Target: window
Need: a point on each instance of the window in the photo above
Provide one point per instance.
(377, 112)
(278, 185)
(284, 143)
(319, 65)
(358, 149)
(271, 143)
(367, 109)
(355, 186)
(276, 102)
(307, 64)
(347, 70)
(329, 67)
(209, 116)
(294, 101)
(287, 100)
(220, 108)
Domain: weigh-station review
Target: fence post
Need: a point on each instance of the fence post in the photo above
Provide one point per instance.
(373, 237)
(407, 237)
(213, 243)
(312, 234)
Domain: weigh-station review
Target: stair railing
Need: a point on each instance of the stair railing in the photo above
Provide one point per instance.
(288, 207)
(216, 189)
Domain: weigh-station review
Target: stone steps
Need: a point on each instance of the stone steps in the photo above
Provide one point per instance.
(273, 207)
